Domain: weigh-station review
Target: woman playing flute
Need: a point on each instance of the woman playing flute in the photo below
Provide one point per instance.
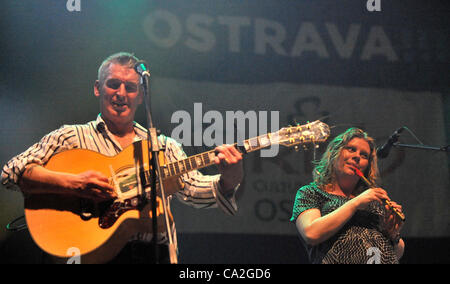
(338, 218)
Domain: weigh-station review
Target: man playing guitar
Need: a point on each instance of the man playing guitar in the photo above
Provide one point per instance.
(119, 93)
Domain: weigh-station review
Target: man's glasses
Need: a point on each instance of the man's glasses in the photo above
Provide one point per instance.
(115, 84)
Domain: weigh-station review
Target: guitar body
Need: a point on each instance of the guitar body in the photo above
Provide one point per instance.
(96, 232)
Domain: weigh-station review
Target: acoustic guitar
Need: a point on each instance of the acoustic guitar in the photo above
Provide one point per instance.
(96, 231)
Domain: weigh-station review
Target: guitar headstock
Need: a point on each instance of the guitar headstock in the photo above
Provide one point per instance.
(313, 132)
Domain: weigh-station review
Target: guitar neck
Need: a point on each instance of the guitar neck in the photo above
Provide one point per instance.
(206, 159)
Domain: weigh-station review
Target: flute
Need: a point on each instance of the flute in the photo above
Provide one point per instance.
(369, 184)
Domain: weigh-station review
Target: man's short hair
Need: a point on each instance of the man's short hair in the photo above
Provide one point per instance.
(122, 58)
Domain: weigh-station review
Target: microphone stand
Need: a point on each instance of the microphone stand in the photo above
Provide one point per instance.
(423, 147)
(383, 152)
(155, 170)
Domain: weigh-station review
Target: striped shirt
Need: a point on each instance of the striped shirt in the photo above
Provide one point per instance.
(200, 191)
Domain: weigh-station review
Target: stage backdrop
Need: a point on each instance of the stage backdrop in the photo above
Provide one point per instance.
(293, 61)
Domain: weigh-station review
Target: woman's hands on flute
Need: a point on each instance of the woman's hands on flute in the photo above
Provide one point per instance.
(393, 223)
(371, 194)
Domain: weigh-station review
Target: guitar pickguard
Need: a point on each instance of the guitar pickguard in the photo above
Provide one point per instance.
(115, 210)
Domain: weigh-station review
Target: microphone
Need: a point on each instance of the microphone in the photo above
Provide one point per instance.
(383, 151)
(102, 129)
(141, 68)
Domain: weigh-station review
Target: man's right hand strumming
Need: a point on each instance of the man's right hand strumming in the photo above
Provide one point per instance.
(90, 184)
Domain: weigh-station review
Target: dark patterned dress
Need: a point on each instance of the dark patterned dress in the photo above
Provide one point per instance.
(360, 240)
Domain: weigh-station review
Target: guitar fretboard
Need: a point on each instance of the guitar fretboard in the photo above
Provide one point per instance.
(189, 164)
(206, 159)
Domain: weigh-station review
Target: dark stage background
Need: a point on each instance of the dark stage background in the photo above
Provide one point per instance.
(304, 60)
